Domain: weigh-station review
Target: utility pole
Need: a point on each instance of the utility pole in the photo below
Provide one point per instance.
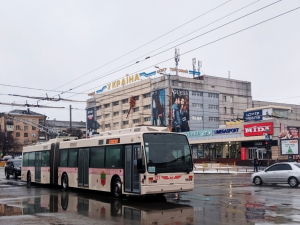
(170, 104)
(70, 119)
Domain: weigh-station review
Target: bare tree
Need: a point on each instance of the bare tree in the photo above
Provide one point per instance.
(6, 141)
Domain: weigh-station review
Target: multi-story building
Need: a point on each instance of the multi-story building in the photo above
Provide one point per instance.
(59, 126)
(208, 101)
(25, 128)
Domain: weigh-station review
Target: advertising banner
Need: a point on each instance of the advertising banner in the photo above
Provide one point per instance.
(90, 121)
(243, 153)
(158, 108)
(227, 131)
(288, 132)
(290, 147)
(258, 129)
(180, 110)
(257, 115)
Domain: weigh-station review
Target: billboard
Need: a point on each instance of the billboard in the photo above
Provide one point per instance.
(90, 121)
(180, 110)
(290, 147)
(264, 114)
(257, 129)
(158, 108)
(288, 132)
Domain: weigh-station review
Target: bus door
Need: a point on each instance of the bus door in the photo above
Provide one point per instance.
(132, 175)
(38, 164)
(83, 167)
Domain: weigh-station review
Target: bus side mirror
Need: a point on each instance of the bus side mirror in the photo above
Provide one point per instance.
(140, 166)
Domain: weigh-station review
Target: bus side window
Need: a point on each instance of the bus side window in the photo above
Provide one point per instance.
(31, 159)
(97, 157)
(113, 156)
(45, 158)
(25, 159)
(63, 158)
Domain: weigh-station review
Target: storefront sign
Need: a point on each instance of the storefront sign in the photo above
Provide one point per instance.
(227, 131)
(290, 147)
(243, 153)
(263, 114)
(179, 70)
(258, 144)
(198, 133)
(258, 129)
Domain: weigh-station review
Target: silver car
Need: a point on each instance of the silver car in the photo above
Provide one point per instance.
(279, 173)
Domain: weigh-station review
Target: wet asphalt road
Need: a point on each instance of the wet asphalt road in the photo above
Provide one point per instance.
(216, 199)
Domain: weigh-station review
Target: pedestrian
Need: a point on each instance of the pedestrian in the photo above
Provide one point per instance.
(255, 164)
(260, 165)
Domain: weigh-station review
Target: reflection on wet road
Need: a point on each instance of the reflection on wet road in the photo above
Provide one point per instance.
(217, 199)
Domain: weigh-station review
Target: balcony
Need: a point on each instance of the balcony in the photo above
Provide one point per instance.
(10, 127)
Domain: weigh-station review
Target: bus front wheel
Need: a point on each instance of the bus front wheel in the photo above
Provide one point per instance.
(117, 188)
(64, 182)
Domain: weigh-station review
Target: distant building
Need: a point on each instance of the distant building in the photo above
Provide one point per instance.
(25, 127)
(64, 126)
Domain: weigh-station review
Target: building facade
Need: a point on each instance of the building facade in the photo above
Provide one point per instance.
(58, 126)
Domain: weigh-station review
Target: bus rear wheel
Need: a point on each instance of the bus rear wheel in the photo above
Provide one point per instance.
(117, 188)
(64, 182)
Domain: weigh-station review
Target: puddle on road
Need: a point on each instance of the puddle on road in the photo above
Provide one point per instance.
(146, 210)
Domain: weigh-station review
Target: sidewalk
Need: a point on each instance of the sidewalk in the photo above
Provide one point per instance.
(214, 168)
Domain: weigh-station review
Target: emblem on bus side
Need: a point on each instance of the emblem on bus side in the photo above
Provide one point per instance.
(103, 178)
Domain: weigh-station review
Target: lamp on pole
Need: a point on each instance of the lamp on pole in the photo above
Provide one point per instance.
(269, 146)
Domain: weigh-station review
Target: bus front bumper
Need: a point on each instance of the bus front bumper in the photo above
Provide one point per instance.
(156, 189)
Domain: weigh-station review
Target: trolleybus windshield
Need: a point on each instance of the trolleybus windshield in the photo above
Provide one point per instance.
(167, 153)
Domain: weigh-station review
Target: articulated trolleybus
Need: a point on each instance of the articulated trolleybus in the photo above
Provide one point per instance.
(136, 161)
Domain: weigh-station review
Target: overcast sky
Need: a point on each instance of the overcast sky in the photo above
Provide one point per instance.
(48, 44)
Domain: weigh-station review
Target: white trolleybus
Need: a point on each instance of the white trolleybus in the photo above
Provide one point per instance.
(137, 161)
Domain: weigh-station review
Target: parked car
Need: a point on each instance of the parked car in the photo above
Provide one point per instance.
(279, 173)
(7, 157)
(13, 167)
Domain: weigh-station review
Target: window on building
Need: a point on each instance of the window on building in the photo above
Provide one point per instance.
(137, 97)
(125, 122)
(116, 124)
(146, 95)
(197, 105)
(33, 134)
(25, 134)
(98, 107)
(225, 110)
(116, 103)
(213, 119)
(197, 117)
(136, 120)
(107, 115)
(147, 107)
(97, 157)
(33, 128)
(18, 134)
(33, 120)
(18, 127)
(224, 98)
(41, 121)
(106, 105)
(213, 106)
(136, 109)
(197, 93)
(25, 127)
(231, 110)
(231, 99)
(147, 119)
(116, 113)
(125, 111)
(125, 100)
(210, 95)
(107, 125)
(99, 117)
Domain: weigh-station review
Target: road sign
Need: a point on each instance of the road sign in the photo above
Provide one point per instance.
(267, 137)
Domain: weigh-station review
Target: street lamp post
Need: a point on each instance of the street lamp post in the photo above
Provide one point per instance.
(268, 146)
